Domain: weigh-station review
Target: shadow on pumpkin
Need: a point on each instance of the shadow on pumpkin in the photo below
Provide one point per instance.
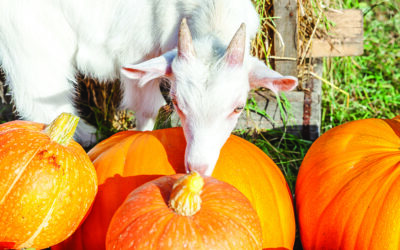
(394, 124)
(276, 248)
(111, 194)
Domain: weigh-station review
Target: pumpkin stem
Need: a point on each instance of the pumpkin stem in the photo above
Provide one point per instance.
(62, 128)
(185, 196)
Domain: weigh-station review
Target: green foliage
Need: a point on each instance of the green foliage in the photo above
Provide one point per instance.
(286, 150)
(373, 79)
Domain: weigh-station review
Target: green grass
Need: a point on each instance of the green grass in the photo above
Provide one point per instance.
(286, 150)
(371, 80)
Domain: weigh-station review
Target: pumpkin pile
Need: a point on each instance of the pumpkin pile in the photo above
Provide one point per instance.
(129, 159)
(47, 183)
(346, 191)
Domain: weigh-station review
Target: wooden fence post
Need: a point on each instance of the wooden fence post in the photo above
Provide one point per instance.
(286, 37)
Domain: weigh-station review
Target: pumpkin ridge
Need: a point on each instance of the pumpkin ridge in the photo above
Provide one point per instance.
(346, 156)
(249, 151)
(169, 222)
(171, 215)
(215, 209)
(106, 153)
(202, 226)
(269, 175)
(19, 175)
(197, 233)
(78, 153)
(390, 185)
(167, 218)
(376, 219)
(238, 224)
(132, 146)
(47, 218)
(361, 196)
(281, 207)
(233, 222)
(394, 124)
(104, 146)
(364, 212)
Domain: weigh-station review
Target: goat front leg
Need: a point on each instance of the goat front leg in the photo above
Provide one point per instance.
(145, 101)
(41, 91)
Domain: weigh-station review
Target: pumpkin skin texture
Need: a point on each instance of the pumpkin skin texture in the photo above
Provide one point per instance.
(128, 159)
(347, 191)
(224, 218)
(47, 183)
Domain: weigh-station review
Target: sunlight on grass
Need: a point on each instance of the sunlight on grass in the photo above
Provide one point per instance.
(286, 150)
(373, 79)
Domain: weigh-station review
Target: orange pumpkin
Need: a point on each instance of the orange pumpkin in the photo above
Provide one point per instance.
(347, 191)
(128, 159)
(47, 183)
(185, 212)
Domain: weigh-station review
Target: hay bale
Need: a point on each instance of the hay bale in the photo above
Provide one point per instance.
(98, 103)
(6, 107)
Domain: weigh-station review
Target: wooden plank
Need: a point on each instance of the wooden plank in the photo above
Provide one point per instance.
(286, 25)
(345, 38)
(273, 120)
(312, 104)
(303, 122)
(266, 102)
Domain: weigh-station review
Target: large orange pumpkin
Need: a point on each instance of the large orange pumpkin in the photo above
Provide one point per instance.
(129, 159)
(348, 187)
(185, 212)
(47, 183)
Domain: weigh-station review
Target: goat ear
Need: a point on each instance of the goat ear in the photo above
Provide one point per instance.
(151, 69)
(235, 52)
(262, 76)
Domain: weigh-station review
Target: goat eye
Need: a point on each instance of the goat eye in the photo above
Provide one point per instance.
(238, 109)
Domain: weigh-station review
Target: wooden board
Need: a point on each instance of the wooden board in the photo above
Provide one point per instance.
(304, 116)
(345, 38)
(285, 42)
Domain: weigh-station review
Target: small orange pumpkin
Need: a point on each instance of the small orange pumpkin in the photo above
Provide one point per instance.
(185, 212)
(128, 159)
(348, 187)
(47, 183)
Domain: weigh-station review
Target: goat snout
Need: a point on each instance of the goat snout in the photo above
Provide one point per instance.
(202, 169)
(202, 162)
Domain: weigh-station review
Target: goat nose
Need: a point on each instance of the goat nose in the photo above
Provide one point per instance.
(199, 168)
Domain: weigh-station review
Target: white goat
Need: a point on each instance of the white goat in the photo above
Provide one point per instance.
(43, 44)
